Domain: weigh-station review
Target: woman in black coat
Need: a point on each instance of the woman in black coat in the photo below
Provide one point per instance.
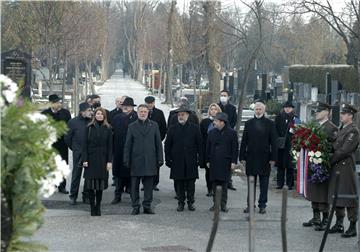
(205, 126)
(97, 154)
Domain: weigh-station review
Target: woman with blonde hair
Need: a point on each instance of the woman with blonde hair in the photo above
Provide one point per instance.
(97, 158)
(205, 126)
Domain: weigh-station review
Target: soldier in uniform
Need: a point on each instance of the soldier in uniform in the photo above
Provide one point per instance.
(343, 161)
(317, 193)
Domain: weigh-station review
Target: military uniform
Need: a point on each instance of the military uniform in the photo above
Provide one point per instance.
(317, 193)
(343, 161)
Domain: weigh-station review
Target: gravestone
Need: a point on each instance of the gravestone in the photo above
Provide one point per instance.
(17, 66)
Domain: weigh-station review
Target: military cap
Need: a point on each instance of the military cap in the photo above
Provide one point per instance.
(347, 108)
(320, 106)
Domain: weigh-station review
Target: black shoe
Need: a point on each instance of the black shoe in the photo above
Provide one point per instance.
(180, 208)
(156, 188)
(135, 211)
(191, 207)
(72, 201)
(63, 191)
(148, 211)
(315, 220)
(224, 209)
(323, 224)
(351, 232)
(212, 209)
(337, 228)
(115, 201)
(231, 187)
(97, 210)
(262, 210)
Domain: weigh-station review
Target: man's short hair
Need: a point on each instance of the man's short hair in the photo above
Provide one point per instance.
(225, 91)
(95, 96)
(142, 106)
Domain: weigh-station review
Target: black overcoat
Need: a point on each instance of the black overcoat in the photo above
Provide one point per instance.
(113, 113)
(230, 110)
(97, 151)
(60, 145)
(222, 149)
(183, 151)
(120, 125)
(143, 151)
(258, 146)
(157, 116)
(75, 136)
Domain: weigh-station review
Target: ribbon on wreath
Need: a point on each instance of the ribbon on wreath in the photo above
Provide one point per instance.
(302, 172)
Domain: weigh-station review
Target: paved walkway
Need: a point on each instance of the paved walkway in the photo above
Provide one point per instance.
(70, 228)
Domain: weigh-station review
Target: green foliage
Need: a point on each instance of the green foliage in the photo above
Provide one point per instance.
(316, 75)
(26, 158)
(273, 107)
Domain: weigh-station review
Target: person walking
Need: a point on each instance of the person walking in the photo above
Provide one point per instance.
(143, 153)
(172, 119)
(97, 159)
(120, 126)
(183, 153)
(317, 193)
(56, 112)
(157, 116)
(75, 140)
(258, 152)
(285, 167)
(221, 156)
(230, 111)
(343, 161)
(206, 125)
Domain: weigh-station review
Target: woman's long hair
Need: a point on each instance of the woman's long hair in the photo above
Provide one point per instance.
(105, 122)
(216, 106)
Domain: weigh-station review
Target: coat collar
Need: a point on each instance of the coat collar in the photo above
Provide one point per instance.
(343, 131)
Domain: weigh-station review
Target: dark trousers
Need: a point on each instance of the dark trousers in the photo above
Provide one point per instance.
(95, 197)
(120, 184)
(322, 207)
(185, 189)
(352, 213)
(285, 168)
(76, 176)
(157, 177)
(148, 191)
(264, 186)
(230, 182)
(224, 191)
(207, 178)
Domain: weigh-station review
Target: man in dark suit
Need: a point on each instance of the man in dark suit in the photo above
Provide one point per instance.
(157, 116)
(258, 152)
(343, 161)
(118, 108)
(120, 126)
(221, 155)
(317, 193)
(230, 111)
(59, 114)
(183, 153)
(143, 153)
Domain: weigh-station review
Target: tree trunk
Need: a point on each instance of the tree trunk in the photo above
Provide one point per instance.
(211, 57)
(6, 222)
(63, 88)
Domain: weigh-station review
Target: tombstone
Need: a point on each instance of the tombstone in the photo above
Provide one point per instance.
(17, 66)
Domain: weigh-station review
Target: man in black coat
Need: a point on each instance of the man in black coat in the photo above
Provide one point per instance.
(258, 152)
(143, 153)
(120, 125)
(283, 123)
(183, 153)
(221, 155)
(59, 114)
(75, 139)
(230, 111)
(118, 109)
(157, 116)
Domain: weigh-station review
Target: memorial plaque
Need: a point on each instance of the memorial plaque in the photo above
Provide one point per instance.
(17, 66)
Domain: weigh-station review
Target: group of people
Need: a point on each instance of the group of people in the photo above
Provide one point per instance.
(129, 143)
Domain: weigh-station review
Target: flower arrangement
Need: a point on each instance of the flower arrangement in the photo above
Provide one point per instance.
(312, 138)
(30, 167)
